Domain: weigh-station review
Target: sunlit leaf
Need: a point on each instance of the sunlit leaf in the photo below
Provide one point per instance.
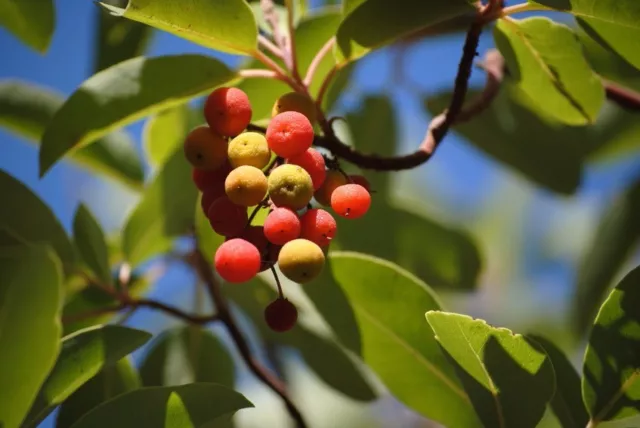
(165, 132)
(30, 297)
(509, 379)
(546, 60)
(611, 372)
(90, 241)
(124, 93)
(225, 25)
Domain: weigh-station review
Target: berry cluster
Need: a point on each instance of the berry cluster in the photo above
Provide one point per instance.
(240, 172)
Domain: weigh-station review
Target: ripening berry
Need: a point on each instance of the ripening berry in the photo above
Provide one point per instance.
(318, 226)
(205, 149)
(255, 235)
(332, 182)
(313, 162)
(361, 180)
(210, 195)
(295, 101)
(249, 148)
(301, 260)
(228, 111)
(203, 178)
(227, 218)
(246, 186)
(289, 134)
(351, 201)
(281, 226)
(290, 186)
(237, 260)
(281, 315)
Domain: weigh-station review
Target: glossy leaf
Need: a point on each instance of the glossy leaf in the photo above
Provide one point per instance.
(26, 110)
(31, 220)
(110, 382)
(516, 136)
(124, 93)
(91, 244)
(165, 211)
(185, 406)
(546, 60)
(616, 23)
(371, 24)
(32, 22)
(186, 355)
(616, 236)
(118, 39)
(509, 379)
(323, 355)
(397, 344)
(224, 25)
(567, 401)
(83, 354)
(164, 132)
(30, 296)
(611, 371)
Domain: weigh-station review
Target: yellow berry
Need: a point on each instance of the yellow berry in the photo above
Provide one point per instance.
(290, 186)
(249, 148)
(246, 186)
(301, 260)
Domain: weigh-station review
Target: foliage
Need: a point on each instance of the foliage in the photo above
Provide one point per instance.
(560, 98)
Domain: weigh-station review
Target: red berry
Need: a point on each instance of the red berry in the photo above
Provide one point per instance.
(350, 201)
(237, 260)
(204, 179)
(289, 134)
(228, 111)
(281, 315)
(210, 195)
(313, 162)
(227, 218)
(361, 180)
(281, 226)
(318, 226)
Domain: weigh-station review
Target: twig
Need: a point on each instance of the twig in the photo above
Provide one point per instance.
(281, 74)
(271, 16)
(268, 45)
(224, 314)
(258, 73)
(291, 43)
(315, 62)
(626, 98)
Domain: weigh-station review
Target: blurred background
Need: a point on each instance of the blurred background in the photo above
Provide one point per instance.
(531, 239)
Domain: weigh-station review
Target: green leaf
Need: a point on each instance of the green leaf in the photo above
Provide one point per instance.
(615, 23)
(91, 244)
(616, 236)
(323, 355)
(164, 132)
(567, 401)
(516, 136)
(165, 211)
(224, 25)
(32, 22)
(26, 110)
(509, 379)
(32, 221)
(30, 296)
(371, 24)
(611, 372)
(186, 355)
(546, 60)
(82, 356)
(118, 39)
(110, 382)
(312, 32)
(184, 406)
(396, 342)
(124, 93)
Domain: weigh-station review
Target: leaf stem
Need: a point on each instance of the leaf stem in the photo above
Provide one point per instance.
(313, 67)
(270, 46)
(291, 43)
(258, 73)
(280, 73)
(516, 8)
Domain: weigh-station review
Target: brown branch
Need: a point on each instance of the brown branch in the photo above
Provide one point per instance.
(140, 303)
(224, 315)
(626, 98)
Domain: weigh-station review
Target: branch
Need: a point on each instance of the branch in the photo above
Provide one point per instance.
(324, 50)
(626, 98)
(268, 45)
(135, 304)
(291, 45)
(224, 315)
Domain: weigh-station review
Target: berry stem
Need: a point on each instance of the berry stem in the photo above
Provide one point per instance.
(270, 46)
(257, 208)
(315, 63)
(224, 314)
(275, 275)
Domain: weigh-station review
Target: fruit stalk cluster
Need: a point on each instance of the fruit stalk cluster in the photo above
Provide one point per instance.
(241, 172)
